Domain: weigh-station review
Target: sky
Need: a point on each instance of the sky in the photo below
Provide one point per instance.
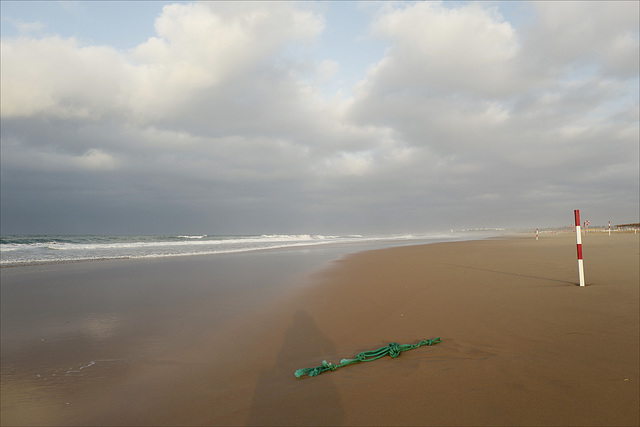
(317, 117)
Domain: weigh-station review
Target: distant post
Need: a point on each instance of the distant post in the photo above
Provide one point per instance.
(579, 244)
(536, 234)
(609, 228)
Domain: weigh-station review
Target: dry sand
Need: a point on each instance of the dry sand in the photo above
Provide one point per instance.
(521, 345)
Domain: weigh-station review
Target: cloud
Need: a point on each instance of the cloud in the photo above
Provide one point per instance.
(219, 121)
(467, 49)
(198, 46)
(59, 78)
(205, 46)
(602, 33)
(327, 70)
(459, 87)
(95, 159)
(26, 28)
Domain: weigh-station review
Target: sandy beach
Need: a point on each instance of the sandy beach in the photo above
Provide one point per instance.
(522, 344)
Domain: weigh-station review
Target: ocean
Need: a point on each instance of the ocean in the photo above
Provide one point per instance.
(17, 250)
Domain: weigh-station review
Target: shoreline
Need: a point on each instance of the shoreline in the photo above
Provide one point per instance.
(363, 244)
(367, 243)
(519, 339)
(26, 250)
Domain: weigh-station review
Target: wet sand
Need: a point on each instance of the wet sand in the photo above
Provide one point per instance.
(521, 343)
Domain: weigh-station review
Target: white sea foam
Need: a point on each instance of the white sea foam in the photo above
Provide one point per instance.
(22, 250)
(264, 239)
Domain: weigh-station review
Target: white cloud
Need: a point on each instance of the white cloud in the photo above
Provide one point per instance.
(26, 28)
(345, 163)
(54, 159)
(599, 32)
(59, 78)
(327, 70)
(95, 159)
(223, 109)
(205, 45)
(470, 48)
(462, 78)
(198, 46)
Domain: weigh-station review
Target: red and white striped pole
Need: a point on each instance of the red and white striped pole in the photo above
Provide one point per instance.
(579, 243)
(609, 228)
(536, 234)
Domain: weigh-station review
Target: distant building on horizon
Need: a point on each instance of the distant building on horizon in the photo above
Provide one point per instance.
(627, 226)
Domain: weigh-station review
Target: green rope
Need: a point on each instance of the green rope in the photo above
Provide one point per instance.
(394, 349)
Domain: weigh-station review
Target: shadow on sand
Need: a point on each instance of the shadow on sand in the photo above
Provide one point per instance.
(514, 274)
(282, 399)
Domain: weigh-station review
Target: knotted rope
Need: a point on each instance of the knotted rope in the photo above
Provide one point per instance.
(394, 349)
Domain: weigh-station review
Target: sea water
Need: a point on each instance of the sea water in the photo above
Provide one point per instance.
(16, 250)
(25, 250)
